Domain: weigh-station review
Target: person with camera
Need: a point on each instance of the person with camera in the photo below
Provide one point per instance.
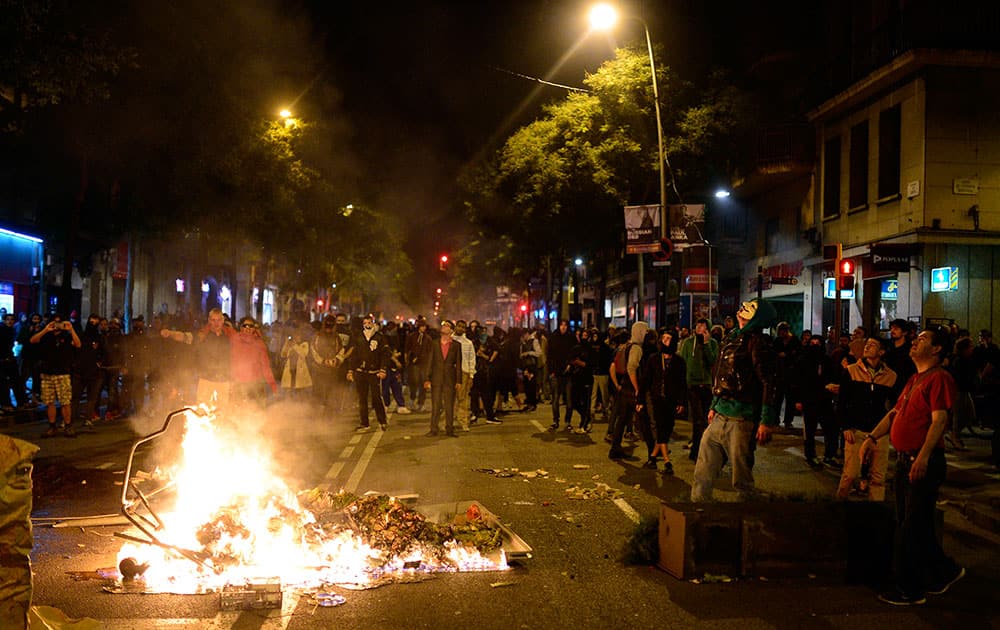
(57, 343)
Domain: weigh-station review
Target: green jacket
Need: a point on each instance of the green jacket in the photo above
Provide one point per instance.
(699, 358)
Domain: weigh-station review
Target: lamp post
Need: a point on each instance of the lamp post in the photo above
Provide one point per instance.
(603, 17)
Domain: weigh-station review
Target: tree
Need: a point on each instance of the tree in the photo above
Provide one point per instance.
(558, 184)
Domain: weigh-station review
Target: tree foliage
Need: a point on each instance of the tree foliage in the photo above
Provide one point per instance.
(557, 186)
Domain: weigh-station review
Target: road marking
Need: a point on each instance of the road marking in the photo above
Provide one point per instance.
(362, 465)
(627, 509)
(338, 465)
(105, 465)
(963, 465)
(538, 425)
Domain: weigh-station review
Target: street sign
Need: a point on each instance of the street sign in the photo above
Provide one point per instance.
(784, 280)
(944, 279)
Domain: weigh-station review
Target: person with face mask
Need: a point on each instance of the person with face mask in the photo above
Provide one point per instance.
(369, 366)
(28, 367)
(664, 393)
(326, 353)
(743, 389)
(87, 374)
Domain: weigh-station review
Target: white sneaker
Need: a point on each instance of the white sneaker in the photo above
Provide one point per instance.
(403, 411)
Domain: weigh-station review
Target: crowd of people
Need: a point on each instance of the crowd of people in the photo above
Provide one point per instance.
(736, 383)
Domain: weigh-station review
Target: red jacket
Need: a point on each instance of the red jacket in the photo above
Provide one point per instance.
(249, 360)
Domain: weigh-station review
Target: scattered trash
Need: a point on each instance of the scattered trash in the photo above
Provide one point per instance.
(595, 477)
(637, 487)
(502, 584)
(599, 491)
(560, 480)
(710, 578)
(524, 503)
(329, 599)
(581, 466)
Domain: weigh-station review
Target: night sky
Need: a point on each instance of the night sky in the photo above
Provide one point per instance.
(421, 86)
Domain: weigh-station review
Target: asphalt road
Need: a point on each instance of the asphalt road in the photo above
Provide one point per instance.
(576, 576)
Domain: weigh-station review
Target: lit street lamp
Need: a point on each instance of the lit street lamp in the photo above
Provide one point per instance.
(602, 18)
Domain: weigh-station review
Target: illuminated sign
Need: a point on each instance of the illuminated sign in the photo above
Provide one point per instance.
(890, 289)
(179, 285)
(944, 279)
(830, 290)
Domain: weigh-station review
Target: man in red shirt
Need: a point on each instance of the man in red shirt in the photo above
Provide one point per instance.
(916, 426)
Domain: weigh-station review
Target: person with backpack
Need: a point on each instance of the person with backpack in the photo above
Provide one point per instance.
(625, 376)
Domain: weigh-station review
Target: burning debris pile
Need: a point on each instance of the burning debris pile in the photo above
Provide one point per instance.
(246, 524)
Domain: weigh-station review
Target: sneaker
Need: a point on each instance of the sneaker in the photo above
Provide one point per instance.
(899, 598)
(650, 464)
(832, 463)
(494, 421)
(687, 447)
(814, 462)
(552, 427)
(383, 425)
(403, 411)
(668, 469)
(365, 428)
(88, 423)
(580, 431)
(69, 431)
(941, 590)
(569, 427)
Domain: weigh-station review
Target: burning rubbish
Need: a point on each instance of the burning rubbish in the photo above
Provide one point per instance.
(246, 534)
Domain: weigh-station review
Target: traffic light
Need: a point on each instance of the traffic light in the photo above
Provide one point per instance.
(846, 274)
(832, 252)
(443, 262)
(319, 304)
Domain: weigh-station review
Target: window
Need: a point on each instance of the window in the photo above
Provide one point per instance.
(831, 178)
(858, 195)
(889, 152)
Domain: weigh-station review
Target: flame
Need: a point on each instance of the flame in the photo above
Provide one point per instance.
(233, 510)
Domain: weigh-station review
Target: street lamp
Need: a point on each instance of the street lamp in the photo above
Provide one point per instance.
(602, 18)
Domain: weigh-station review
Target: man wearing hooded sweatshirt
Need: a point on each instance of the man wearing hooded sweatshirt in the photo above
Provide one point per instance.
(625, 376)
(368, 368)
(743, 394)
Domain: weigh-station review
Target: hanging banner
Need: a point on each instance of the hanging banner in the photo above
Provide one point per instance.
(687, 224)
(642, 229)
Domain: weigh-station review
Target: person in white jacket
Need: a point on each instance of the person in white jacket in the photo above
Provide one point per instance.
(295, 376)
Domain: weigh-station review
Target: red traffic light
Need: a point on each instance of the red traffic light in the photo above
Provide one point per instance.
(847, 267)
(442, 261)
(524, 308)
(319, 303)
(444, 258)
(438, 291)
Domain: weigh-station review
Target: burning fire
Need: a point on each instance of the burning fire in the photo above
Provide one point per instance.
(235, 520)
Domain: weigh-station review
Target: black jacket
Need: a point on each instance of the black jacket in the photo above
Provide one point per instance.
(865, 395)
(669, 383)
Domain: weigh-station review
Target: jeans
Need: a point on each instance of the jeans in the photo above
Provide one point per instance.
(725, 436)
(369, 389)
(919, 560)
(600, 387)
(561, 385)
(392, 389)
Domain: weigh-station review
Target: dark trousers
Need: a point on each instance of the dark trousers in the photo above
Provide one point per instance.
(418, 395)
(483, 395)
(662, 417)
(699, 400)
(920, 561)
(561, 385)
(443, 401)
(10, 379)
(820, 413)
(783, 393)
(89, 384)
(324, 381)
(580, 389)
(369, 389)
(624, 412)
(530, 381)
